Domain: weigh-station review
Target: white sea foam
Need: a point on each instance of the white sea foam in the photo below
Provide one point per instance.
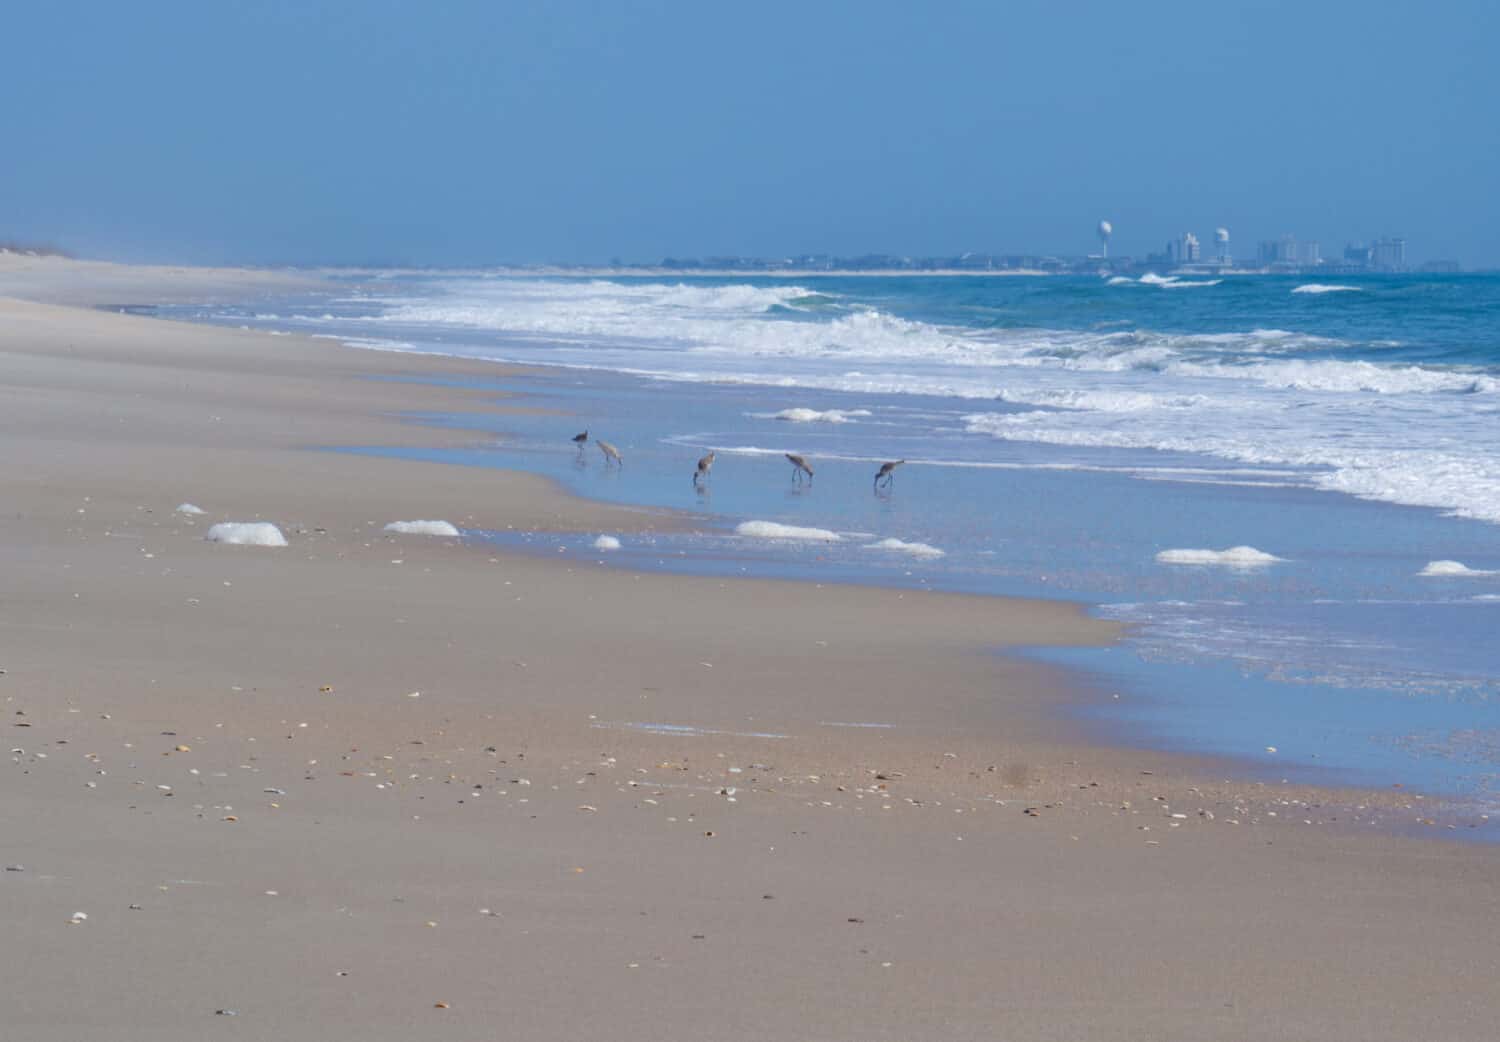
(1234, 557)
(1120, 280)
(246, 533)
(900, 546)
(442, 528)
(679, 730)
(801, 415)
(188, 508)
(1104, 400)
(1151, 278)
(1186, 284)
(606, 542)
(1324, 287)
(1453, 570)
(773, 530)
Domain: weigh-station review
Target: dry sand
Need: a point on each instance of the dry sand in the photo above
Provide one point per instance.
(387, 787)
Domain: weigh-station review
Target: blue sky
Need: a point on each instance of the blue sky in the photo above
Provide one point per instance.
(485, 132)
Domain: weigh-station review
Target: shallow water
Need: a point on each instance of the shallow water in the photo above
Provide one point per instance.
(1077, 467)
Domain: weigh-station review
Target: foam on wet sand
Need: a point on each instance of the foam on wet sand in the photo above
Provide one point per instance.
(903, 547)
(246, 533)
(1453, 570)
(1234, 557)
(438, 528)
(776, 530)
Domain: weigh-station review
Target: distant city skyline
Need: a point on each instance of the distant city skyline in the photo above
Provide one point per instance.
(470, 133)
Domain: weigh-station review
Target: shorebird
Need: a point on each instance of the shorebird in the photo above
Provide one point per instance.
(610, 453)
(888, 472)
(579, 439)
(705, 465)
(800, 466)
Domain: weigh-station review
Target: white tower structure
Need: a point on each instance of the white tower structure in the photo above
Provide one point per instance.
(1105, 231)
(1221, 236)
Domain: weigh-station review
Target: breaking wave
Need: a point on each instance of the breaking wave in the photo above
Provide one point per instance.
(1322, 287)
(800, 415)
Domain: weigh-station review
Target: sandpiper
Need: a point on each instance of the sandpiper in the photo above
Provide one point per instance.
(800, 466)
(887, 471)
(705, 465)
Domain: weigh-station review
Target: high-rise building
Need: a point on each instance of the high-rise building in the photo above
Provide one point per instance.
(1184, 250)
(1310, 254)
(1280, 251)
(1389, 254)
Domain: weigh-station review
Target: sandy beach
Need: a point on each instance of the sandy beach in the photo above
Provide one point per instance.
(378, 786)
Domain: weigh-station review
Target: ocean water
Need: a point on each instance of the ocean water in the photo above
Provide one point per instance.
(1063, 436)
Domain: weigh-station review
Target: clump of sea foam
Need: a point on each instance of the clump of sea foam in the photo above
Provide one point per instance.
(901, 546)
(774, 530)
(606, 542)
(1453, 570)
(1234, 557)
(246, 533)
(442, 528)
(188, 508)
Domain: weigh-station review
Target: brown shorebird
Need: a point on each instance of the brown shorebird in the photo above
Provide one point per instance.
(888, 472)
(705, 465)
(800, 466)
(579, 439)
(610, 453)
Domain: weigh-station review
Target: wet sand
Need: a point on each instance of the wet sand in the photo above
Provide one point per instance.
(372, 786)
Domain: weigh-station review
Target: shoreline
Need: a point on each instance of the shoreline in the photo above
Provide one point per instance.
(569, 512)
(443, 773)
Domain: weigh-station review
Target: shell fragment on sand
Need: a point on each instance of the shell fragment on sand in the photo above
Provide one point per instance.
(246, 533)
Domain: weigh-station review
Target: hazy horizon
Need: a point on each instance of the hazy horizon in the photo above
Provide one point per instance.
(470, 135)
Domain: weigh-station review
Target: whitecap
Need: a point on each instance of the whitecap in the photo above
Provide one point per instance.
(1324, 287)
(246, 533)
(801, 415)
